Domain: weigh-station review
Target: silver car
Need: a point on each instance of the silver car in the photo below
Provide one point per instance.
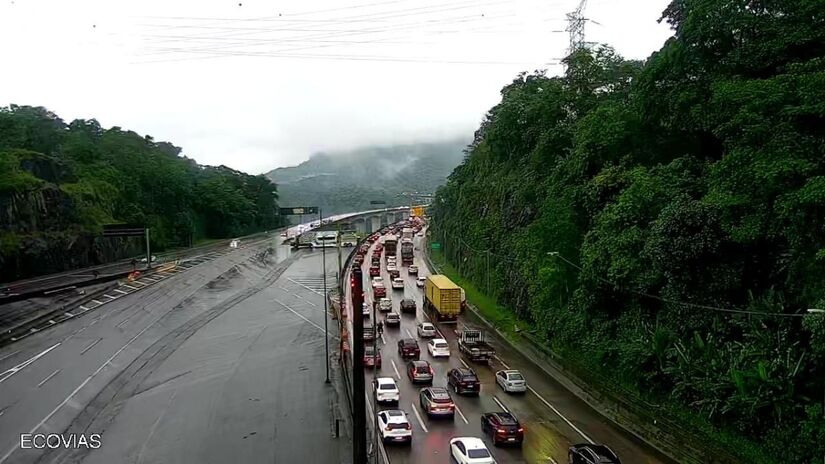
(511, 381)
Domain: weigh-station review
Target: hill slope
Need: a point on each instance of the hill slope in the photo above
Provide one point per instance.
(348, 181)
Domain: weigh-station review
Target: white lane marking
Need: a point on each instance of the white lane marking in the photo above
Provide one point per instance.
(299, 315)
(10, 372)
(47, 378)
(560, 415)
(130, 287)
(418, 416)
(90, 346)
(395, 368)
(84, 308)
(67, 314)
(464, 363)
(409, 333)
(139, 283)
(123, 322)
(552, 461)
(302, 285)
(83, 384)
(383, 340)
(98, 302)
(313, 304)
(110, 296)
(298, 296)
(10, 354)
(504, 408)
(502, 362)
(121, 291)
(461, 414)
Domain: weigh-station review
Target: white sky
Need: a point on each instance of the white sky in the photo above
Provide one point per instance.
(257, 84)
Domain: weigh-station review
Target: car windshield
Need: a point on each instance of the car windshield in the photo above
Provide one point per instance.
(516, 377)
(478, 453)
(422, 369)
(386, 386)
(441, 345)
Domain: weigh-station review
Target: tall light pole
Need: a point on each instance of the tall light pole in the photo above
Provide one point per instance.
(326, 296)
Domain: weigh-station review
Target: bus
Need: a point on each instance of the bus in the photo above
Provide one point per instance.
(327, 239)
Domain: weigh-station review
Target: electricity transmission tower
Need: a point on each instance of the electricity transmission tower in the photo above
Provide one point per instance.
(575, 27)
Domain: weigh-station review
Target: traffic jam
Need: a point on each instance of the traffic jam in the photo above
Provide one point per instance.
(438, 391)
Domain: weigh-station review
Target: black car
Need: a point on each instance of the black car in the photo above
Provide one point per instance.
(591, 454)
(463, 380)
(408, 305)
(502, 427)
(408, 348)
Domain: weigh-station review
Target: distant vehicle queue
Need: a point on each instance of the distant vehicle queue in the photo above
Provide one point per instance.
(444, 301)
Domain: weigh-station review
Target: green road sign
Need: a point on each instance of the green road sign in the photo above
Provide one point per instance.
(435, 246)
(378, 202)
(295, 211)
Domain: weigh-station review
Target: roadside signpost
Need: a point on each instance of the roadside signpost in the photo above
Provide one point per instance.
(130, 230)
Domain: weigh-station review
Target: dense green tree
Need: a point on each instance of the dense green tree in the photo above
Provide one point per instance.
(692, 181)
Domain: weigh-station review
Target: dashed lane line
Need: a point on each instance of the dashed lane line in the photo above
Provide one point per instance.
(121, 291)
(547, 403)
(502, 362)
(503, 408)
(5, 375)
(395, 368)
(90, 346)
(463, 363)
(418, 416)
(48, 378)
(461, 414)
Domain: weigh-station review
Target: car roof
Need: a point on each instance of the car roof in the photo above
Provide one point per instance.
(392, 314)
(471, 442)
(427, 323)
(465, 371)
(511, 371)
(395, 416)
(385, 380)
(408, 341)
(439, 393)
(436, 340)
(505, 418)
(601, 453)
(419, 363)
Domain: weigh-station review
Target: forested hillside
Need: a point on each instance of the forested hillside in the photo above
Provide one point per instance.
(662, 224)
(347, 181)
(59, 183)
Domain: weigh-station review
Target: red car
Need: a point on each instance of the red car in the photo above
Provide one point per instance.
(380, 292)
(408, 348)
(372, 358)
(375, 271)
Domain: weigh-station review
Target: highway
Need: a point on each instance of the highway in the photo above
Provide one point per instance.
(552, 416)
(221, 363)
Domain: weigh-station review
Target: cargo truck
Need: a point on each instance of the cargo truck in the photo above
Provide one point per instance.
(406, 232)
(471, 343)
(442, 298)
(390, 245)
(406, 252)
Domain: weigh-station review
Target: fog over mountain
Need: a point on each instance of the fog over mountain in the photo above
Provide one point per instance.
(344, 181)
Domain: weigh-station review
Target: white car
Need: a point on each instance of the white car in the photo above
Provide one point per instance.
(398, 283)
(394, 426)
(419, 282)
(391, 267)
(420, 234)
(365, 309)
(386, 390)
(377, 281)
(438, 348)
(154, 258)
(413, 269)
(511, 381)
(385, 304)
(470, 450)
(426, 330)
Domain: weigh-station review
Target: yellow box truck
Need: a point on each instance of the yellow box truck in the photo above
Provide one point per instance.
(442, 297)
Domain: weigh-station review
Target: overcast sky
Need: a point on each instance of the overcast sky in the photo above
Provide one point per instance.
(257, 84)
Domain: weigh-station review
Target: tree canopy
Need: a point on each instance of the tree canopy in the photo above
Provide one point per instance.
(669, 190)
(59, 183)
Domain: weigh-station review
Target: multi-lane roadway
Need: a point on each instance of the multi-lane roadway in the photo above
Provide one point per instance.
(221, 363)
(553, 417)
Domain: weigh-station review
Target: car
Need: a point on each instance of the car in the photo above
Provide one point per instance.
(408, 306)
(398, 283)
(420, 371)
(379, 291)
(408, 348)
(419, 282)
(377, 281)
(385, 305)
(235, 243)
(392, 266)
(586, 453)
(392, 319)
(438, 348)
(154, 258)
(284, 234)
(420, 234)
(426, 330)
(412, 270)
(365, 309)
(511, 381)
(470, 450)
(372, 357)
(394, 274)
(394, 426)
(436, 401)
(503, 428)
(386, 390)
(375, 271)
(463, 380)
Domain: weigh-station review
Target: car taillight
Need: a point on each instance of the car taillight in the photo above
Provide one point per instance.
(387, 428)
(431, 371)
(501, 431)
(407, 426)
(521, 429)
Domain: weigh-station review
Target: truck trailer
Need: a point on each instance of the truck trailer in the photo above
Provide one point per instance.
(442, 298)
